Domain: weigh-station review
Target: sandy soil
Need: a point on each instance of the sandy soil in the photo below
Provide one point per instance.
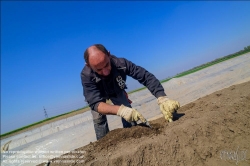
(213, 130)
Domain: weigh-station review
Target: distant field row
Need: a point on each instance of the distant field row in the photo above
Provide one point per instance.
(200, 67)
(84, 109)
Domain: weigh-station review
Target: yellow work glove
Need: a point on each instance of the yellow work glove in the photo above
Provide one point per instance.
(130, 114)
(168, 107)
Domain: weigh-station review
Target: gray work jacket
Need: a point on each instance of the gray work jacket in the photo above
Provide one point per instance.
(94, 87)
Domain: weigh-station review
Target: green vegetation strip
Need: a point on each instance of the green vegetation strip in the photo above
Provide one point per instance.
(246, 50)
(39, 122)
(195, 69)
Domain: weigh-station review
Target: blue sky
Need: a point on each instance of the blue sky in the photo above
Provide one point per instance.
(42, 45)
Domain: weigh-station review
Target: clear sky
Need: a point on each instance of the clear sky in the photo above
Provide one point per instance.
(42, 45)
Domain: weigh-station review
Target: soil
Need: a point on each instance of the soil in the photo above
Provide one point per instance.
(213, 130)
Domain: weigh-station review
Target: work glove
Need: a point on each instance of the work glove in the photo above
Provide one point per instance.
(168, 107)
(130, 114)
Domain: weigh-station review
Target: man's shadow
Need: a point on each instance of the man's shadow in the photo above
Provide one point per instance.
(177, 116)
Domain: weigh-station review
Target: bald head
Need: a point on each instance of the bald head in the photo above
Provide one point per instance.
(98, 59)
(94, 47)
(95, 56)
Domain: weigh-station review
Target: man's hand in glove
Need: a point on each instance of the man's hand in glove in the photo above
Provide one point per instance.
(130, 114)
(168, 107)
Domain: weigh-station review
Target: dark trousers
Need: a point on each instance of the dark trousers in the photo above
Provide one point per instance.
(100, 120)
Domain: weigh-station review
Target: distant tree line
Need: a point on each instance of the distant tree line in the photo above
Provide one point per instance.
(218, 60)
(246, 50)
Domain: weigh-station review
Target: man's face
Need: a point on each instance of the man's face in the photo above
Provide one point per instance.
(99, 62)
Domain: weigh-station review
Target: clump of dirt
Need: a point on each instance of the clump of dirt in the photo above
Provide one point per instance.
(213, 130)
(117, 135)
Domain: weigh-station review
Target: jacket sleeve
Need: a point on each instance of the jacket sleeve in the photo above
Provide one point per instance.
(144, 77)
(91, 92)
